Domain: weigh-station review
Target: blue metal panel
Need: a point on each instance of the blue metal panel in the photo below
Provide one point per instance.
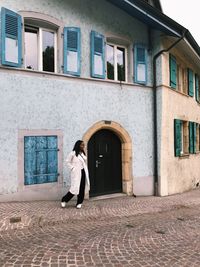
(72, 42)
(97, 49)
(140, 58)
(11, 25)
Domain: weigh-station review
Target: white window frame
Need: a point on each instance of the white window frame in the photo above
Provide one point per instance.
(115, 61)
(40, 38)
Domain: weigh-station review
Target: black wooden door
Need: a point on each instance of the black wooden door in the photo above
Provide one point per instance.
(104, 162)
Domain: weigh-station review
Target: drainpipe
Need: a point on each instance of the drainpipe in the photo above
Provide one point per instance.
(155, 111)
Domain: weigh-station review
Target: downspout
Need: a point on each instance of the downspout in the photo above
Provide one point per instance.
(155, 111)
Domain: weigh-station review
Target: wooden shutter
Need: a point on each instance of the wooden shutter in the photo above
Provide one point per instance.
(197, 87)
(192, 137)
(140, 59)
(173, 71)
(11, 38)
(72, 51)
(190, 83)
(177, 137)
(41, 159)
(97, 55)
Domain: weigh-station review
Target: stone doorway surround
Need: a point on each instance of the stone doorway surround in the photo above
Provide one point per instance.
(127, 179)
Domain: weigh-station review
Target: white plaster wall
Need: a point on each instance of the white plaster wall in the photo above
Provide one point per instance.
(73, 106)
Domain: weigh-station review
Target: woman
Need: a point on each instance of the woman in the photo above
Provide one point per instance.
(76, 162)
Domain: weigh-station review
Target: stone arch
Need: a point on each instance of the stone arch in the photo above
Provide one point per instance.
(127, 179)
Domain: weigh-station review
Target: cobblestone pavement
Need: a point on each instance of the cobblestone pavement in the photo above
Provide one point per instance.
(117, 232)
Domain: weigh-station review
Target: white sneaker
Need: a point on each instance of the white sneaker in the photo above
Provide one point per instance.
(79, 206)
(63, 204)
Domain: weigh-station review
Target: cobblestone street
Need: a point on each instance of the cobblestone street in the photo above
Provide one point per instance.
(116, 232)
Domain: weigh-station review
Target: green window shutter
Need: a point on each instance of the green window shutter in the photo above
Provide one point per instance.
(11, 38)
(190, 83)
(197, 87)
(177, 137)
(97, 55)
(192, 137)
(72, 51)
(140, 63)
(173, 71)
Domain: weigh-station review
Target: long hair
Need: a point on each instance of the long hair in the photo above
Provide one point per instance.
(77, 147)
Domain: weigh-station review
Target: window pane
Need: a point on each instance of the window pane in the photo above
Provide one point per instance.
(11, 50)
(31, 48)
(121, 63)
(48, 51)
(98, 65)
(110, 61)
(72, 61)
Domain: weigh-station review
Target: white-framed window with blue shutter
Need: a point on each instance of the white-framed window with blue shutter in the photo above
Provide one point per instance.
(40, 159)
(97, 55)
(190, 83)
(72, 51)
(140, 63)
(197, 88)
(173, 71)
(11, 38)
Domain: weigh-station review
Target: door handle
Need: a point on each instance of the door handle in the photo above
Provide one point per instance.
(97, 163)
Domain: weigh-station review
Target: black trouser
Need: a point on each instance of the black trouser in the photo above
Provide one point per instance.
(81, 194)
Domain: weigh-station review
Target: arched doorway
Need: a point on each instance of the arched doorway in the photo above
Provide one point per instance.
(126, 150)
(105, 163)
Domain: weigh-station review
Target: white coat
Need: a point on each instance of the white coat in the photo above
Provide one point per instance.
(75, 165)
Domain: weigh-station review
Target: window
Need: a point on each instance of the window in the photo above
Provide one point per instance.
(140, 60)
(181, 137)
(116, 62)
(182, 78)
(40, 49)
(40, 159)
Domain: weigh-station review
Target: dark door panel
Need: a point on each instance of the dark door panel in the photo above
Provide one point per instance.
(104, 160)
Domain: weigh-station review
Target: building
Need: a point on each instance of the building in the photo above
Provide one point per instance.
(120, 75)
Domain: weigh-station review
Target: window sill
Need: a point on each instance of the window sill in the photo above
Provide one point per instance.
(67, 76)
(184, 156)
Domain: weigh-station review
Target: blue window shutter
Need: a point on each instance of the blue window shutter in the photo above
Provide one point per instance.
(72, 51)
(29, 160)
(190, 83)
(177, 137)
(41, 156)
(52, 156)
(11, 25)
(97, 46)
(41, 159)
(197, 87)
(173, 71)
(140, 60)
